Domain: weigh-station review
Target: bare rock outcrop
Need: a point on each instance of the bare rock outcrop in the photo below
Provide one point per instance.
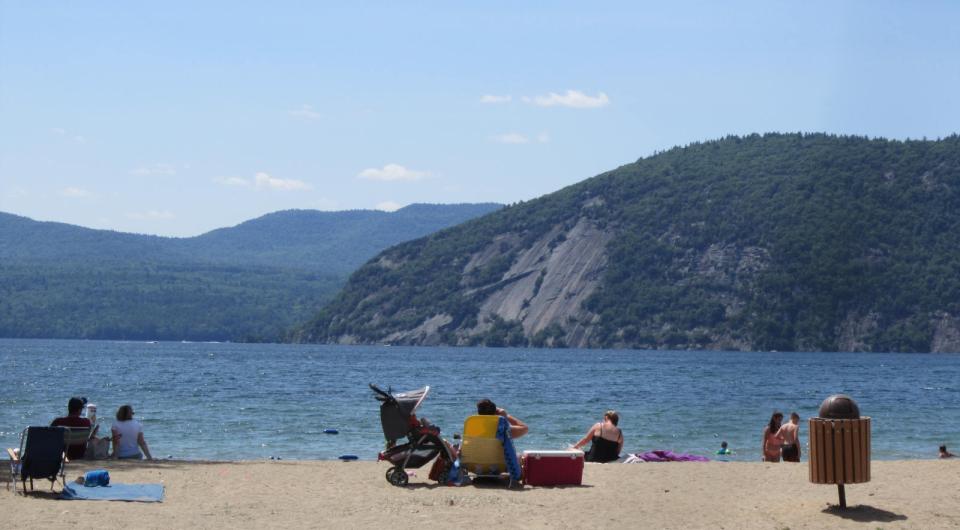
(555, 276)
(946, 334)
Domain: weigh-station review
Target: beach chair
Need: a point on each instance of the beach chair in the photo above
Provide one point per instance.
(76, 438)
(481, 453)
(42, 454)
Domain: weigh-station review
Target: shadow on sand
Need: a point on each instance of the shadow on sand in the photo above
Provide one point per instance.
(496, 484)
(863, 513)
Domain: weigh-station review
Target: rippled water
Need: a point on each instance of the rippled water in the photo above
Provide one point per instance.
(252, 401)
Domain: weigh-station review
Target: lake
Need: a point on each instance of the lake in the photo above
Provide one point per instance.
(256, 401)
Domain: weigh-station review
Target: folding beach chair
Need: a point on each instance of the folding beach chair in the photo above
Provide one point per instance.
(42, 455)
(481, 453)
(77, 439)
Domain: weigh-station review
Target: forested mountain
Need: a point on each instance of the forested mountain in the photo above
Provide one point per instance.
(777, 241)
(250, 281)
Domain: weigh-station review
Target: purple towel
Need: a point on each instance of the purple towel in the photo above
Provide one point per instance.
(670, 456)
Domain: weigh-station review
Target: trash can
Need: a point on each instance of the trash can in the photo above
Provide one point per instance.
(839, 445)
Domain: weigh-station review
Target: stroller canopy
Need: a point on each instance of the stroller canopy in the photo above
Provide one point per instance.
(396, 409)
(410, 401)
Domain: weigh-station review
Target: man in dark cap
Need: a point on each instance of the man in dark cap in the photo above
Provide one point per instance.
(73, 419)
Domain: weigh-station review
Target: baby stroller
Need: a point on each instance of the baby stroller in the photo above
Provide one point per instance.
(423, 439)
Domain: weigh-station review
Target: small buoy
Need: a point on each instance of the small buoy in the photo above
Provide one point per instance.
(348, 457)
(331, 431)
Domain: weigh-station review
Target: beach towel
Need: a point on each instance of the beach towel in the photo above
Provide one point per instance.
(114, 492)
(509, 454)
(669, 456)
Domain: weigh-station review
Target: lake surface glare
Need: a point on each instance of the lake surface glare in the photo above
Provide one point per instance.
(257, 401)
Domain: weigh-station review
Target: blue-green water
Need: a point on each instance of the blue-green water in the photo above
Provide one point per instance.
(254, 401)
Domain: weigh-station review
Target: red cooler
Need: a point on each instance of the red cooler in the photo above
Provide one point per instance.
(553, 468)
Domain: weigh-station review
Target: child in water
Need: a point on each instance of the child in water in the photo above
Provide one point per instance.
(944, 453)
(723, 449)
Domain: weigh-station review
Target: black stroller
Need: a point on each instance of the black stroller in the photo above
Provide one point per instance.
(423, 439)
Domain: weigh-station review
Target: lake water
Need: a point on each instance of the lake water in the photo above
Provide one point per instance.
(256, 401)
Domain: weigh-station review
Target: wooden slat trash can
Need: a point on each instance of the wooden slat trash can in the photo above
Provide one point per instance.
(839, 445)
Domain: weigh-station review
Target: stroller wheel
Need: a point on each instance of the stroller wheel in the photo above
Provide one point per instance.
(397, 476)
(390, 474)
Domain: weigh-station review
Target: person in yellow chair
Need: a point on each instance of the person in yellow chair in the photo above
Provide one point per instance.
(488, 408)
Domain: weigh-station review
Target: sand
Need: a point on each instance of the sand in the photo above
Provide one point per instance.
(903, 494)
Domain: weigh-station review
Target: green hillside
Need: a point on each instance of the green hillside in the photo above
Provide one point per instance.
(777, 241)
(248, 282)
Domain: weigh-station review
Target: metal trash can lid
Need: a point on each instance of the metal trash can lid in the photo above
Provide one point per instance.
(839, 407)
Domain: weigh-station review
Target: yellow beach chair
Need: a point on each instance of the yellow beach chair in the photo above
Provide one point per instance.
(481, 453)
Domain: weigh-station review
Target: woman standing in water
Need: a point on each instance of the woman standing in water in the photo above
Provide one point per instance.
(772, 441)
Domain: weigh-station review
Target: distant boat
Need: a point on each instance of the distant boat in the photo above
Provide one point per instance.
(151, 342)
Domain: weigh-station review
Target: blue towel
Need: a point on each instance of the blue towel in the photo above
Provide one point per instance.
(114, 492)
(509, 455)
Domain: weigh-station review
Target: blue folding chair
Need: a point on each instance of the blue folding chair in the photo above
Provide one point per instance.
(43, 454)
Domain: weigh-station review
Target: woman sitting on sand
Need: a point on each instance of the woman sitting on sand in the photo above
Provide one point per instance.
(606, 437)
(772, 442)
(128, 436)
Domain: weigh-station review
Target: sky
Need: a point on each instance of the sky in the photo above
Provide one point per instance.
(175, 118)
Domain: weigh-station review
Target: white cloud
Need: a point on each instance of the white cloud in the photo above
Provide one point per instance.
(151, 215)
(511, 138)
(75, 193)
(263, 181)
(392, 172)
(493, 99)
(60, 131)
(388, 206)
(233, 181)
(305, 112)
(517, 138)
(571, 98)
(16, 192)
(155, 169)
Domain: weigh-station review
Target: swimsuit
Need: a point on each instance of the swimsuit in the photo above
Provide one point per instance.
(604, 450)
(772, 451)
(791, 452)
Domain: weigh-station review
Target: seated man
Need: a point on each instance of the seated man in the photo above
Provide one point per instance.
(488, 408)
(73, 419)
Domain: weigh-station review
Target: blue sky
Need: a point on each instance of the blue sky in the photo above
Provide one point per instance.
(175, 118)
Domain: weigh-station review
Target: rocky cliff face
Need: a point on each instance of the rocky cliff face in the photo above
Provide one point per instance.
(541, 292)
(786, 242)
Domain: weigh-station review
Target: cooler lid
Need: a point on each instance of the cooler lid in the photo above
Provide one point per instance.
(569, 453)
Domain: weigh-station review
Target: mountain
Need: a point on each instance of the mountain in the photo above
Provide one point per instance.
(791, 242)
(250, 281)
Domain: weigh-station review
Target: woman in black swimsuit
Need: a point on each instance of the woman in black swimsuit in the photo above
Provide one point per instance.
(606, 437)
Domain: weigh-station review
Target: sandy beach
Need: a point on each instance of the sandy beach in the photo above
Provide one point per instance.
(903, 494)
